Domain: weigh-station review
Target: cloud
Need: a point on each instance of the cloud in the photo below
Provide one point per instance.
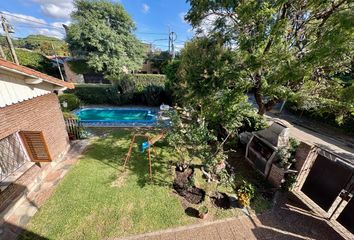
(181, 16)
(26, 25)
(59, 9)
(145, 8)
(16, 18)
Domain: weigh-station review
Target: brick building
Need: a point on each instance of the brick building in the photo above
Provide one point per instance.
(32, 130)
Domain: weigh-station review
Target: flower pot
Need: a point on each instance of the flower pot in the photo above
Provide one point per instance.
(203, 215)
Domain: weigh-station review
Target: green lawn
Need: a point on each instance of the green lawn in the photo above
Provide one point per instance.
(96, 199)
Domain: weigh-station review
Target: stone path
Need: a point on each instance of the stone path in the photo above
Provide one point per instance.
(289, 219)
(16, 220)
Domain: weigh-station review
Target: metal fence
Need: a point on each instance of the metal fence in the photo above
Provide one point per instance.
(74, 128)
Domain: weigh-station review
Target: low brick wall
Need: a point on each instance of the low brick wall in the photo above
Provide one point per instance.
(276, 176)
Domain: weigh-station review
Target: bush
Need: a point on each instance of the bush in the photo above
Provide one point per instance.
(245, 192)
(35, 61)
(127, 90)
(96, 94)
(69, 115)
(72, 101)
(141, 81)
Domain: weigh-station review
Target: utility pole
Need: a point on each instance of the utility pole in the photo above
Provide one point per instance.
(173, 37)
(169, 40)
(56, 58)
(2, 54)
(5, 26)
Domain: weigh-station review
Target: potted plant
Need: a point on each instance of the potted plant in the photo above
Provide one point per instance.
(203, 212)
(244, 193)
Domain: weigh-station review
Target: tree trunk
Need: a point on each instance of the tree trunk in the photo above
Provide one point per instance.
(261, 106)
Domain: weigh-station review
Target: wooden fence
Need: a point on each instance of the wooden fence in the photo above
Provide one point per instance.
(74, 128)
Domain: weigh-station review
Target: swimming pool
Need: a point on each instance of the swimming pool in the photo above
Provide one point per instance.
(117, 117)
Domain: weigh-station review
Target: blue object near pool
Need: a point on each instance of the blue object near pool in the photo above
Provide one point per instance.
(117, 117)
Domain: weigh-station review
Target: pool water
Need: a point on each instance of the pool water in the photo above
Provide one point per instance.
(116, 116)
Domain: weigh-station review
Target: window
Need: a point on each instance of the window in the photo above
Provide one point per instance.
(36, 146)
(12, 156)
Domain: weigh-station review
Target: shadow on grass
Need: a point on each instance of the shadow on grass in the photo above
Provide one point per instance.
(112, 148)
(11, 231)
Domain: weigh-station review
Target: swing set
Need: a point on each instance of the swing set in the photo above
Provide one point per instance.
(145, 145)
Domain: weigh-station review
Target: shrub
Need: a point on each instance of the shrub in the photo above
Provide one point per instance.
(69, 115)
(96, 94)
(141, 81)
(245, 192)
(72, 101)
(145, 89)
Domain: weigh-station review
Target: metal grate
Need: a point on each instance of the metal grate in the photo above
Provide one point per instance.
(12, 156)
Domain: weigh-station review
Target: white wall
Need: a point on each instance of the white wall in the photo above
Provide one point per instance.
(13, 89)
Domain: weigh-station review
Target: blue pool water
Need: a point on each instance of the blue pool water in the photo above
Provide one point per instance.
(117, 117)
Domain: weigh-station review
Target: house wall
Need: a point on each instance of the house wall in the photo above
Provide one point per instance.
(37, 114)
(13, 89)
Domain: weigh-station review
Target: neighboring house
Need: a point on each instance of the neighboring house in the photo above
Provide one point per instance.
(33, 136)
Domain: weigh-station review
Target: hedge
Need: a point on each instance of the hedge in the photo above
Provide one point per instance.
(141, 81)
(138, 89)
(71, 100)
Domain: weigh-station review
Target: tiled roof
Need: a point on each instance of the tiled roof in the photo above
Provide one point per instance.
(31, 72)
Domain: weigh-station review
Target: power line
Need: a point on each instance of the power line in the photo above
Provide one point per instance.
(150, 33)
(28, 20)
(29, 26)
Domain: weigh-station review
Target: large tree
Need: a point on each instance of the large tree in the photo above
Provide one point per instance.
(203, 79)
(280, 45)
(102, 33)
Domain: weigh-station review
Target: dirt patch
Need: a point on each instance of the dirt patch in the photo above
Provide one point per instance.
(221, 200)
(121, 179)
(193, 194)
(184, 186)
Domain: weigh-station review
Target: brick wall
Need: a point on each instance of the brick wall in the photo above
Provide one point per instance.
(305, 156)
(276, 176)
(37, 114)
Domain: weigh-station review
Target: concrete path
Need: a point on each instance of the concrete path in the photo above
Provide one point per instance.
(16, 220)
(326, 139)
(289, 219)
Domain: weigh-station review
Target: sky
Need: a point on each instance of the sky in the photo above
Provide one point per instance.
(153, 18)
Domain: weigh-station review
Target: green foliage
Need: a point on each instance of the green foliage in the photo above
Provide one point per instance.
(206, 79)
(102, 33)
(278, 46)
(159, 59)
(130, 89)
(289, 183)
(79, 66)
(35, 61)
(189, 136)
(245, 192)
(203, 209)
(69, 115)
(286, 155)
(43, 44)
(72, 101)
(141, 81)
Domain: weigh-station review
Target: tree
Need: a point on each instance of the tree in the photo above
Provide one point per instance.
(279, 45)
(159, 59)
(204, 79)
(102, 33)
